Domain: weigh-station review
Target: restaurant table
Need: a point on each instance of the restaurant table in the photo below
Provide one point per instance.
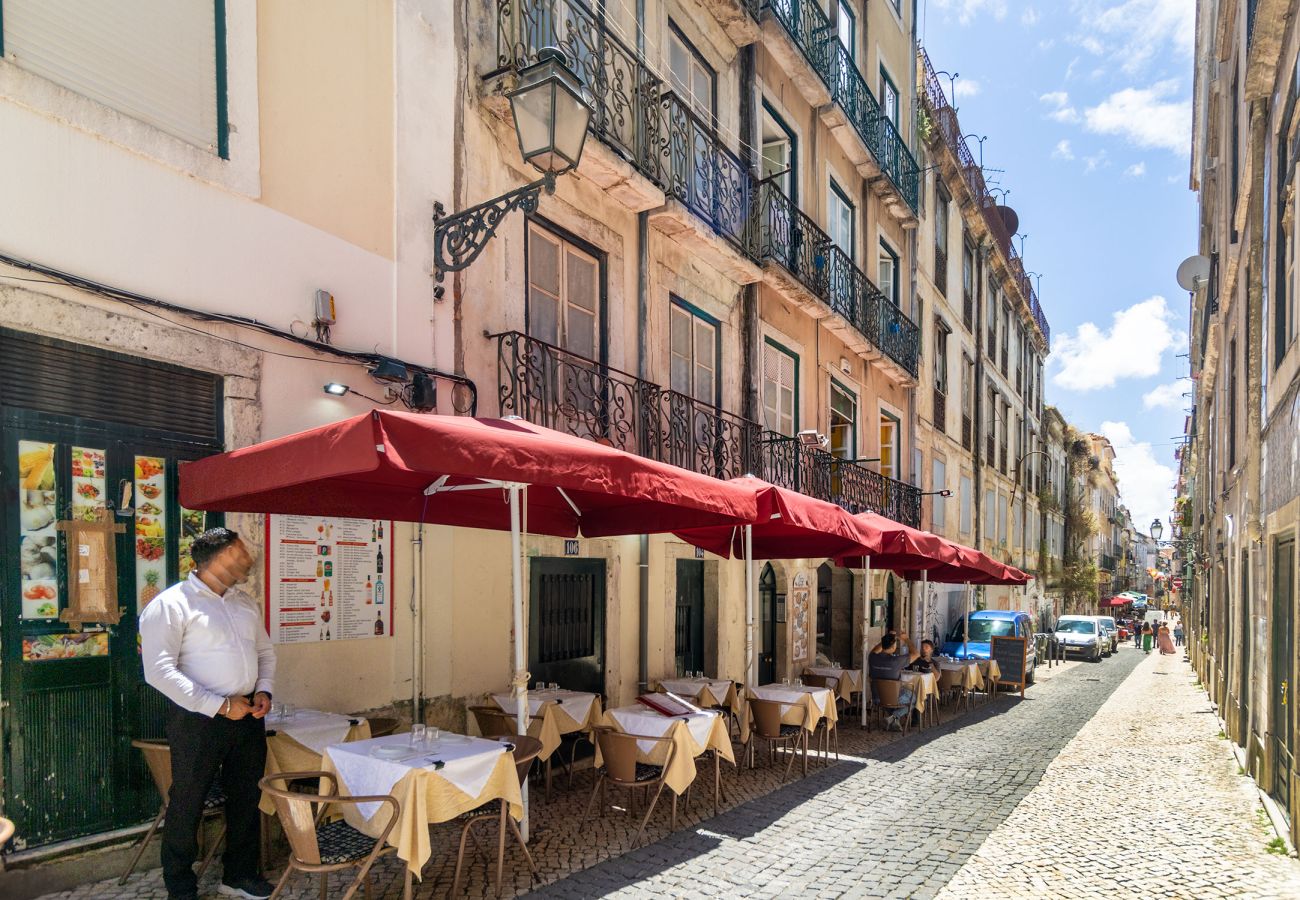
(705, 692)
(924, 685)
(817, 703)
(972, 679)
(475, 771)
(692, 734)
(848, 680)
(295, 744)
(991, 671)
(562, 712)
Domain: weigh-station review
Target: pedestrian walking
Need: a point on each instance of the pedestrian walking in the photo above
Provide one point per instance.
(1137, 634)
(1165, 639)
(1148, 637)
(205, 649)
(1178, 633)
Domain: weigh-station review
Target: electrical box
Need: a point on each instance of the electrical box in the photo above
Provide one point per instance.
(324, 313)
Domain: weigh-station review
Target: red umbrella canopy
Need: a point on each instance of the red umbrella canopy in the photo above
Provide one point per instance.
(970, 566)
(902, 546)
(413, 468)
(789, 525)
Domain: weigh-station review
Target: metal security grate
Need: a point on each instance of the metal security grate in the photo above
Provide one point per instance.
(567, 626)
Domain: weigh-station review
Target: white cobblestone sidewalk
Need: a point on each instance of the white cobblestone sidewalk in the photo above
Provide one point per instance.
(1145, 801)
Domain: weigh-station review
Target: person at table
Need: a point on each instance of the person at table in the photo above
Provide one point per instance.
(925, 662)
(205, 649)
(901, 639)
(886, 663)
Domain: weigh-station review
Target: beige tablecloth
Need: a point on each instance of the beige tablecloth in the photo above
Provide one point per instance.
(849, 680)
(692, 735)
(284, 754)
(562, 712)
(817, 703)
(924, 685)
(426, 797)
(708, 693)
(990, 670)
(972, 679)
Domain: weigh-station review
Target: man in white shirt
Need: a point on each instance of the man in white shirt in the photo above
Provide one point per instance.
(205, 648)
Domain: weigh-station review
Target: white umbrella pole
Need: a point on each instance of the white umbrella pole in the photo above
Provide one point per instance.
(750, 677)
(520, 680)
(925, 607)
(866, 623)
(965, 627)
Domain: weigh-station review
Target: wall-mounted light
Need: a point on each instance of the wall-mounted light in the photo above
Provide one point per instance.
(811, 437)
(335, 389)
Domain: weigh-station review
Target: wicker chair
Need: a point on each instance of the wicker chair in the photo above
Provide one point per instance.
(158, 757)
(887, 692)
(317, 847)
(827, 731)
(494, 722)
(526, 750)
(622, 769)
(766, 725)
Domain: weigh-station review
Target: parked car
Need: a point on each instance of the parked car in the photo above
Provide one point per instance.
(1081, 635)
(985, 625)
(1111, 631)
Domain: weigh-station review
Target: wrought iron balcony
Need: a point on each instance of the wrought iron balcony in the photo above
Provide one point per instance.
(897, 161)
(623, 89)
(787, 236)
(696, 168)
(809, 28)
(550, 386)
(813, 471)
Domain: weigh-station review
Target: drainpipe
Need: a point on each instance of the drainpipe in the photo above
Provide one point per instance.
(977, 457)
(642, 344)
(749, 330)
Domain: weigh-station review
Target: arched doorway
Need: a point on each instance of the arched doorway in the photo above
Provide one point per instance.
(825, 615)
(770, 597)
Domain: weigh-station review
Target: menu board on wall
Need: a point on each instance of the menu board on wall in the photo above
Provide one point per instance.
(328, 579)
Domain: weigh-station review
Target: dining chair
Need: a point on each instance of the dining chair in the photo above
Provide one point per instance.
(888, 691)
(952, 687)
(494, 722)
(525, 750)
(381, 726)
(621, 768)
(158, 757)
(826, 729)
(766, 725)
(317, 847)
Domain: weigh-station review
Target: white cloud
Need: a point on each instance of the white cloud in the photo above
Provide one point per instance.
(1062, 111)
(1132, 33)
(1047, 44)
(1029, 18)
(1097, 161)
(1146, 485)
(1154, 117)
(1092, 358)
(967, 10)
(1137, 170)
(1069, 70)
(1062, 150)
(966, 87)
(1167, 396)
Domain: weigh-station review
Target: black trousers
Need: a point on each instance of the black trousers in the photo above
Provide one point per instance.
(204, 749)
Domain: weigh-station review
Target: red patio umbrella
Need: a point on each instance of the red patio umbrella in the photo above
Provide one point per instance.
(480, 473)
(789, 525)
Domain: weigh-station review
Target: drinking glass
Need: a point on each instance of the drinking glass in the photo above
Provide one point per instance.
(798, 682)
(277, 710)
(289, 711)
(417, 734)
(432, 734)
(785, 682)
(555, 685)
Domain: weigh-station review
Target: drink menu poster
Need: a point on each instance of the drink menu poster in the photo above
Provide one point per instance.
(328, 579)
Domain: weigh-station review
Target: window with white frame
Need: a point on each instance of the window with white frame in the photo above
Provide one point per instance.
(844, 422)
(887, 272)
(780, 384)
(990, 516)
(842, 218)
(889, 438)
(160, 62)
(691, 76)
(889, 104)
(693, 353)
(846, 27)
(563, 292)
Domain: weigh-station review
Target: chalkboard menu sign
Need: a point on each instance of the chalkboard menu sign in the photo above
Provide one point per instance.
(1011, 654)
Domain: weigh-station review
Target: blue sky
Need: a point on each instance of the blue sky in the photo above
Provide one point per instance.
(1087, 108)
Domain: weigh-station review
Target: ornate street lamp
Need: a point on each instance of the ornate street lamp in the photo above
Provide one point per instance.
(552, 116)
(1157, 529)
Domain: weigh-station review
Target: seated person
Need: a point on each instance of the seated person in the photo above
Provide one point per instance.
(886, 663)
(926, 661)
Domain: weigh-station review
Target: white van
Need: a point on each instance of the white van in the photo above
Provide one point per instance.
(1111, 630)
(1082, 636)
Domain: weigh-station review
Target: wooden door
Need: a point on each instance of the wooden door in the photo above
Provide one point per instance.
(566, 622)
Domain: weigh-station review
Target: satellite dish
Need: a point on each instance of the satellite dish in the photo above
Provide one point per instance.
(1193, 272)
(1009, 219)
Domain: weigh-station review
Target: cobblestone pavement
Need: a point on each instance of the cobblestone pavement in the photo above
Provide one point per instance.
(897, 816)
(1195, 829)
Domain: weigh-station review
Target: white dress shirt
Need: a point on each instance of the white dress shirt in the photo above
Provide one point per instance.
(199, 648)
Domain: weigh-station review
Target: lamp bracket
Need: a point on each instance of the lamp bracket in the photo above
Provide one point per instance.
(459, 238)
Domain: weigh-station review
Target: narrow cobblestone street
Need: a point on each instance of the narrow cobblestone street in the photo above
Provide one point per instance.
(1020, 798)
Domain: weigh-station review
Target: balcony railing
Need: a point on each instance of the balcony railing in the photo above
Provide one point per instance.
(808, 27)
(623, 90)
(550, 386)
(697, 169)
(897, 161)
(789, 237)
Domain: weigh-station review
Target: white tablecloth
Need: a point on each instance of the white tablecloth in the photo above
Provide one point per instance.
(854, 676)
(577, 704)
(690, 688)
(312, 728)
(468, 762)
(641, 719)
(788, 695)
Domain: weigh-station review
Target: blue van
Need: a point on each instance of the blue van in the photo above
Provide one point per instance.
(990, 623)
